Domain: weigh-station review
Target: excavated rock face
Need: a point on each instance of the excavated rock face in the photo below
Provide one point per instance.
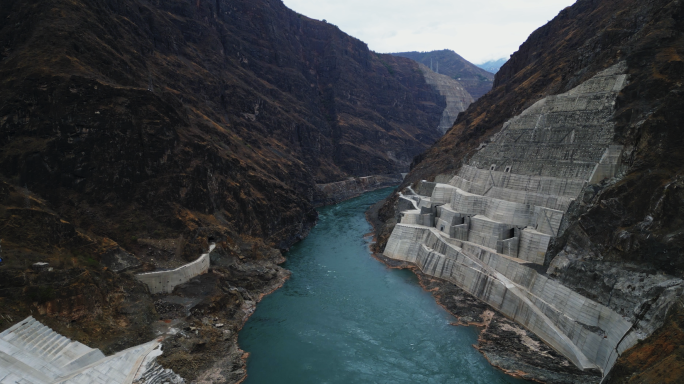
(474, 79)
(620, 242)
(457, 98)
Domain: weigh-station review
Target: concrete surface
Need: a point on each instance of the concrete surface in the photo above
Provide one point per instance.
(31, 353)
(479, 228)
(165, 281)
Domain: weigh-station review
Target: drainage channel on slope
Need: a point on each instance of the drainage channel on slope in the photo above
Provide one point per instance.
(344, 317)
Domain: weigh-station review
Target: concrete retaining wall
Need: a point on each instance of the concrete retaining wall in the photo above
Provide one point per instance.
(533, 246)
(165, 281)
(543, 219)
(583, 330)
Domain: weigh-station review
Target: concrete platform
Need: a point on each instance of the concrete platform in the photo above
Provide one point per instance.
(31, 353)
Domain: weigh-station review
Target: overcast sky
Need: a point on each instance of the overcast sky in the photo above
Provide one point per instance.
(478, 30)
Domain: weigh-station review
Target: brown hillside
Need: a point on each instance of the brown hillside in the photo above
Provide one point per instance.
(163, 109)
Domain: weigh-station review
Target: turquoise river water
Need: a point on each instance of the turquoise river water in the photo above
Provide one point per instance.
(344, 317)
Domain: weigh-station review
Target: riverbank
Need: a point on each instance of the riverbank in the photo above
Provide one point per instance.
(204, 316)
(504, 343)
(343, 317)
(335, 193)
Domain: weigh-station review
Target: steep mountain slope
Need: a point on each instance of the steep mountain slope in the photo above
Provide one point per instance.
(233, 108)
(474, 79)
(626, 231)
(135, 132)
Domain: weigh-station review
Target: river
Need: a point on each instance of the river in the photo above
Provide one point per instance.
(344, 317)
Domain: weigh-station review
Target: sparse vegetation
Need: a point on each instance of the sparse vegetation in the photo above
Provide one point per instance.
(40, 294)
(384, 63)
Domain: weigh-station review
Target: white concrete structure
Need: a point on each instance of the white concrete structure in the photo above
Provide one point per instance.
(585, 332)
(480, 227)
(31, 353)
(165, 281)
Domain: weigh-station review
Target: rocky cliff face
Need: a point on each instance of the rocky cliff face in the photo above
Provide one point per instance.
(474, 79)
(620, 244)
(232, 109)
(133, 132)
(334, 193)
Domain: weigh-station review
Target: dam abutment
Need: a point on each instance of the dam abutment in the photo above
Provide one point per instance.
(483, 228)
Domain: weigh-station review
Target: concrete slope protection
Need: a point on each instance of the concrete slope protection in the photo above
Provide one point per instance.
(483, 227)
(474, 79)
(166, 281)
(457, 98)
(31, 353)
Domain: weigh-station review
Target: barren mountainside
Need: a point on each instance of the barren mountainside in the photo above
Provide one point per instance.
(235, 108)
(133, 133)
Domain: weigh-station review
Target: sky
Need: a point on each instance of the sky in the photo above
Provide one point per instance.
(478, 30)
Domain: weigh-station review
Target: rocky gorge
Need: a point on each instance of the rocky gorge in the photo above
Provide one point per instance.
(135, 133)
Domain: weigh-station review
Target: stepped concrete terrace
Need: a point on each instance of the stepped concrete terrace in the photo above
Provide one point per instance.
(31, 353)
(481, 228)
(166, 281)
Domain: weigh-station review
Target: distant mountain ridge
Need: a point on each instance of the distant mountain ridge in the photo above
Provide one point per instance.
(493, 66)
(474, 79)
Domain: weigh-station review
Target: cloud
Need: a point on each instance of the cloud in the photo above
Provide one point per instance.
(477, 30)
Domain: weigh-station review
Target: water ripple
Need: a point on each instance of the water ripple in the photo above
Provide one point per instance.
(344, 317)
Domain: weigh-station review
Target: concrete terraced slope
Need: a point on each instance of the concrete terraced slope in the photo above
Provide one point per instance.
(474, 79)
(611, 230)
(457, 98)
(567, 136)
(505, 207)
(32, 353)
